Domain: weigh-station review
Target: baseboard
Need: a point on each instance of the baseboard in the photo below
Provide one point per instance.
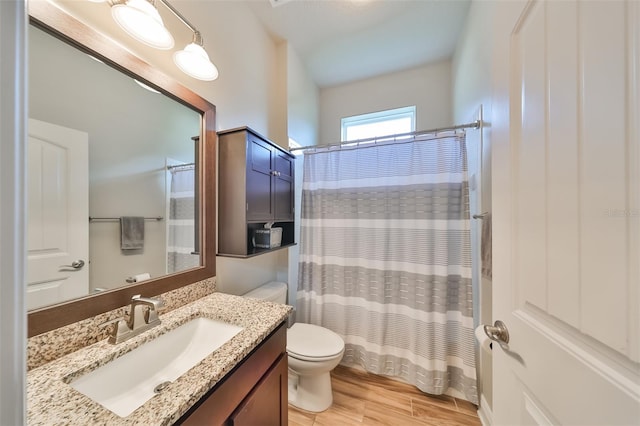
(484, 412)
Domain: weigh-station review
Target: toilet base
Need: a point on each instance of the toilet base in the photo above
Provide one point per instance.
(310, 393)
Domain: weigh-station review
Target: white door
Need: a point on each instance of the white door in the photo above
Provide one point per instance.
(58, 214)
(566, 212)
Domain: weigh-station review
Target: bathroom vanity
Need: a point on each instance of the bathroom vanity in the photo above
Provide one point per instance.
(257, 388)
(242, 381)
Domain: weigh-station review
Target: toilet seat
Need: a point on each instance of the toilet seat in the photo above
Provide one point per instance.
(308, 342)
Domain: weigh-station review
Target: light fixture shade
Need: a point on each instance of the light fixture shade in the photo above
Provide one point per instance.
(194, 61)
(141, 20)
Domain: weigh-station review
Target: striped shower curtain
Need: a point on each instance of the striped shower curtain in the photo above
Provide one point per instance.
(386, 260)
(181, 232)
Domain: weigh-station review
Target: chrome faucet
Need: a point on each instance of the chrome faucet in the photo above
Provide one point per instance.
(143, 315)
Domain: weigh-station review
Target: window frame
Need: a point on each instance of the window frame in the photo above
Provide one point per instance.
(377, 117)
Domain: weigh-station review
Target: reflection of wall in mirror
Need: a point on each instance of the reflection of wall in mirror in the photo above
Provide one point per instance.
(131, 133)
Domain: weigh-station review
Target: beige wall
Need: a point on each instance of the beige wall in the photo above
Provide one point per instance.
(427, 87)
(247, 90)
(304, 114)
(472, 83)
(303, 101)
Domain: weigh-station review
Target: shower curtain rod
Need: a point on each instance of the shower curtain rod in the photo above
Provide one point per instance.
(474, 125)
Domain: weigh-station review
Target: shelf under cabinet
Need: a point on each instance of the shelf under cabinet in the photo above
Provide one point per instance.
(256, 251)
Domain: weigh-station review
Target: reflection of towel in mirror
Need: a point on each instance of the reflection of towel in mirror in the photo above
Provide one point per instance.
(131, 233)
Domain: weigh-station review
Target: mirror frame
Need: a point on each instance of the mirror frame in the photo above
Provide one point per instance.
(58, 23)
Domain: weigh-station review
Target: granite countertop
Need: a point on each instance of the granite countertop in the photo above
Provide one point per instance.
(50, 399)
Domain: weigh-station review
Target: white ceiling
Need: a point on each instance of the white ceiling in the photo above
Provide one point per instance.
(346, 40)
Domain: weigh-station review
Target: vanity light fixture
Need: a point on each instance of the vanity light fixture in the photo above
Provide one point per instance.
(141, 20)
(194, 61)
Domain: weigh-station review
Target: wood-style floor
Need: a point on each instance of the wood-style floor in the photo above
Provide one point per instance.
(360, 398)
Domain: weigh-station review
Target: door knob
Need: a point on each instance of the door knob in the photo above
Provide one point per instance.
(76, 264)
(497, 332)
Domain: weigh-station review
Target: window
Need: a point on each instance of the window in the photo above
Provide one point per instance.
(381, 123)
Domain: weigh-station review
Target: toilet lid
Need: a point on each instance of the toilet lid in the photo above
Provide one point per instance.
(312, 341)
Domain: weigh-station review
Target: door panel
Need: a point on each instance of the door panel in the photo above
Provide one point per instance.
(261, 154)
(283, 198)
(603, 171)
(284, 191)
(267, 403)
(58, 214)
(259, 181)
(529, 52)
(563, 168)
(566, 213)
(284, 165)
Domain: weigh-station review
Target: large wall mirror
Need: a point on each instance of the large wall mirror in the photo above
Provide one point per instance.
(121, 176)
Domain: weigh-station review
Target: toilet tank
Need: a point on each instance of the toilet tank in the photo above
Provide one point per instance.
(273, 291)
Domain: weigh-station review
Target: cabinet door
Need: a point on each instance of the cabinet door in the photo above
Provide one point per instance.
(266, 405)
(259, 179)
(283, 186)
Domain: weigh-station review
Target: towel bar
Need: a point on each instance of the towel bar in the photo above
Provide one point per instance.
(117, 219)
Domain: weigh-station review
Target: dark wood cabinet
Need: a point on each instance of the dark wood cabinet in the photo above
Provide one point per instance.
(283, 191)
(256, 186)
(267, 404)
(253, 393)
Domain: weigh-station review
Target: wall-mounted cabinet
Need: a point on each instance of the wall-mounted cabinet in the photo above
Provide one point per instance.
(256, 186)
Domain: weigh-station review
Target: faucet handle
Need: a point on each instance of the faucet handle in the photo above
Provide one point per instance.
(151, 302)
(117, 328)
(160, 303)
(148, 307)
(151, 316)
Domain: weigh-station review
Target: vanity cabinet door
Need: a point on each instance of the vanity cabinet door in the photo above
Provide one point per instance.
(266, 405)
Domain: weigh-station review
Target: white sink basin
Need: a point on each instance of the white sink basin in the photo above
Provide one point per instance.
(127, 382)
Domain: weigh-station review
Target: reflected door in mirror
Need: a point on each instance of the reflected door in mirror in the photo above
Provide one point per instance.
(58, 206)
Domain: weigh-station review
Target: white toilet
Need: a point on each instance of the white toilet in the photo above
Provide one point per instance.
(312, 353)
